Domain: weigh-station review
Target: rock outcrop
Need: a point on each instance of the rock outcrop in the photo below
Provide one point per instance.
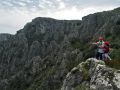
(92, 74)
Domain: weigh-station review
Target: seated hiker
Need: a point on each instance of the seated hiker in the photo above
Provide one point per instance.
(106, 51)
(100, 50)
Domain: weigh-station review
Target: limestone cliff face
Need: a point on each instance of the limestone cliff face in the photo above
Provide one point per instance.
(4, 37)
(92, 75)
(39, 56)
(104, 24)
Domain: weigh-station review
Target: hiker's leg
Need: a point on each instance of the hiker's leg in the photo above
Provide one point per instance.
(101, 56)
(97, 55)
(108, 56)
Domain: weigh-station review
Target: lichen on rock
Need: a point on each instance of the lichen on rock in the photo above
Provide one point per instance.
(92, 74)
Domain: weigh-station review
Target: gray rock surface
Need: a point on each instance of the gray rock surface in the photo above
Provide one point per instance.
(94, 75)
(4, 37)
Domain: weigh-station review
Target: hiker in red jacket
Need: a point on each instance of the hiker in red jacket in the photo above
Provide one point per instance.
(100, 50)
(106, 51)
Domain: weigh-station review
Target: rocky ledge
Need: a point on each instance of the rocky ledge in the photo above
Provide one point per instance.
(92, 75)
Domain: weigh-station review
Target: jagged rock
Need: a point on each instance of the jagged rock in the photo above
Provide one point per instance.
(36, 64)
(94, 75)
(4, 37)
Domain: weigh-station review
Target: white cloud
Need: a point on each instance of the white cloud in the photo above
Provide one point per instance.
(48, 3)
(22, 4)
(7, 3)
(61, 5)
(28, 1)
(13, 20)
(59, 0)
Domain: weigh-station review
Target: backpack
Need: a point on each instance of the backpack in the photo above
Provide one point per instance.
(106, 47)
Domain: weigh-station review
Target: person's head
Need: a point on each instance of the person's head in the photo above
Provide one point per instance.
(106, 43)
(101, 39)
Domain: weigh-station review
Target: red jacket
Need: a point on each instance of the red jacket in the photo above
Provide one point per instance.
(106, 47)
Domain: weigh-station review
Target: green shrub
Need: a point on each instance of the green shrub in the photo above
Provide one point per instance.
(115, 54)
(76, 44)
(81, 87)
(113, 64)
(70, 61)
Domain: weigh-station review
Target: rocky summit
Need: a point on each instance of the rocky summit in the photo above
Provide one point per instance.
(39, 56)
(92, 75)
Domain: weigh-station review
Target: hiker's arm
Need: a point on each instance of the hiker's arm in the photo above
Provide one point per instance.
(94, 43)
(102, 47)
(111, 49)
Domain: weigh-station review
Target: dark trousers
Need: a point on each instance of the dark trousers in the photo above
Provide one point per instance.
(99, 56)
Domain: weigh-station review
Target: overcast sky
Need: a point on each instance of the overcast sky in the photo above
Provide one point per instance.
(14, 14)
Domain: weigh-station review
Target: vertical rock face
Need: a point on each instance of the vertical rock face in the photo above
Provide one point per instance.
(92, 75)
(35, 56)
(39, 56)
(99, 24)
(4, 37)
